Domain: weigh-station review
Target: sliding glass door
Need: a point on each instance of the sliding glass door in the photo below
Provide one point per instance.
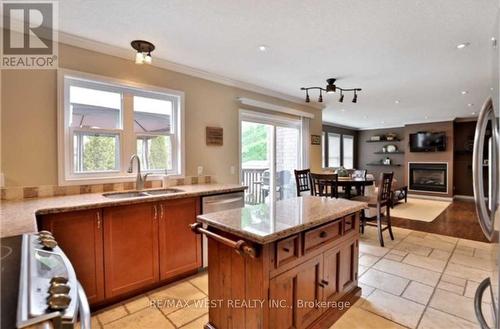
(270, 150)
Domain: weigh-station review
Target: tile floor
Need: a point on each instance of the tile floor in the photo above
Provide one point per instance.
(419, 280)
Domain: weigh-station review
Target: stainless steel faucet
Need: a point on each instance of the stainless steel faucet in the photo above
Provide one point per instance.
(139, 182)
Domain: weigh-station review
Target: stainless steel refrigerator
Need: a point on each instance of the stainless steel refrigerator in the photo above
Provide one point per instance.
(486, 174)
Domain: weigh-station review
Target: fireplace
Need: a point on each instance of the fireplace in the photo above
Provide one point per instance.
(428, 177)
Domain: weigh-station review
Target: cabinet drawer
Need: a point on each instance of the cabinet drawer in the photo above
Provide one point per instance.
(349, 223)
(287, 250)
(321, 235)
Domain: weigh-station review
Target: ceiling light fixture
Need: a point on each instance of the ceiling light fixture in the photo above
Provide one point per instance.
(396, 101)
(463, 45)
(144, 49)
(473, 113)
(331, 88)
(470, 105)
(263, 48)
(464, 92)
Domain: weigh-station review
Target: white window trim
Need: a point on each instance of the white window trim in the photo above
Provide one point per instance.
(64, 154)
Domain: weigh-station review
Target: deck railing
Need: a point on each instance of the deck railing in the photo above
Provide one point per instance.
(252, 177)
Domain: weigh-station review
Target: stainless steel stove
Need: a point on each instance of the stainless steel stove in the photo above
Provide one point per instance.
(48, 287)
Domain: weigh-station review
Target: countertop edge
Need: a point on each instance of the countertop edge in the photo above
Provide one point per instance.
(284, 233)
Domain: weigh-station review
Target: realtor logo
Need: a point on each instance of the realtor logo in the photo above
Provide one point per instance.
(29, 35)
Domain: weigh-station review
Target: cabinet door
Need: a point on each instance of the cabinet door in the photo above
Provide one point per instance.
(348, 266)
(80, 236)
(331, 274)
(293, 295)
(130, 248)
(180, 248)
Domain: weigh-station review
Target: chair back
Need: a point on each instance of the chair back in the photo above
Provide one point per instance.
(384, 187)
(324, 185)
(302, 180)
(359, 173)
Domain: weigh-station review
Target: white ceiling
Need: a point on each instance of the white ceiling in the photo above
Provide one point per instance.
(394, 49)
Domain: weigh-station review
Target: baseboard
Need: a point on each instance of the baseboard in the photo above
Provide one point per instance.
(463, 197)
(430, 197)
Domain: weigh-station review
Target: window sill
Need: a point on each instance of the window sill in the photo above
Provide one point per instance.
(107, 180)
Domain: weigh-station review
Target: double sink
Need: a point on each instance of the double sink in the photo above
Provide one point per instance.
(141, 194)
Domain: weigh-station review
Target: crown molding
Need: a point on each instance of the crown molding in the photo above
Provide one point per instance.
(126, 53)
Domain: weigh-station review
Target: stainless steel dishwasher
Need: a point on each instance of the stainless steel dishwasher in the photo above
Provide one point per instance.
(216, 203)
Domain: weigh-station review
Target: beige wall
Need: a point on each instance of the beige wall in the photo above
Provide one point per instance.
(29, 116)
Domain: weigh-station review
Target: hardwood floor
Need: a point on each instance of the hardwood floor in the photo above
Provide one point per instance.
(458, 220)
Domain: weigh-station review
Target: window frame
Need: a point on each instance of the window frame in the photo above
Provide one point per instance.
(127, 135)
(339, 136)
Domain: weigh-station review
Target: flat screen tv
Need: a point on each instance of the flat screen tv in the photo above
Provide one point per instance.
(427, 142)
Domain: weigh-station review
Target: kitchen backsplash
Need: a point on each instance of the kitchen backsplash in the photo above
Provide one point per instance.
(29, 192)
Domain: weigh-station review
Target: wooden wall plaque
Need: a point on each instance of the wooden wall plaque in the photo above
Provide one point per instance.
(214, 136)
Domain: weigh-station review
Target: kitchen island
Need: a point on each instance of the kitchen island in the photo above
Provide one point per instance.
(288, 264)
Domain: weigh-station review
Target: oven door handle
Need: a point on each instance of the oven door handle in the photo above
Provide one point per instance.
(84, 308)
(485, 210)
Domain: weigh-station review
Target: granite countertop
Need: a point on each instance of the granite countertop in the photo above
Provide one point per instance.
(265, 223)
(18, 217)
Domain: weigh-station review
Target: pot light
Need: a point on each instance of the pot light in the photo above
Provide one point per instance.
(470, 105)
(473, 113)
(397, 101)
(463, 45)
(464, 92)
(343, 110)
(263, 48)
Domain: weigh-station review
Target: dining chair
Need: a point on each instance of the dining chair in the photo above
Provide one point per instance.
(381, 200)
(302, 180)
(324, 185)
(360, 174)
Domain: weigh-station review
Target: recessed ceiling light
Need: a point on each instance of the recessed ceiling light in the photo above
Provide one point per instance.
(263, 48)
(473, 113)
(383, 121)
(463, 45)
(396, 101)
(464, 92)
(426, 117)
(470, 105)
(343, 110)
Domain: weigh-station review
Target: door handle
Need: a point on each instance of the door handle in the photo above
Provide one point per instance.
(478, 304)
(485, 211)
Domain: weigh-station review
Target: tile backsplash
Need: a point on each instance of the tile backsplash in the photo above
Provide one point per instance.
(44, 191)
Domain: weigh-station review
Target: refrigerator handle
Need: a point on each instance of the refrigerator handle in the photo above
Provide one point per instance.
(478, 304)
(485, 210)
(84, 308)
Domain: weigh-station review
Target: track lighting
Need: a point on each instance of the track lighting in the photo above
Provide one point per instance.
(331, 88)
(144, 49)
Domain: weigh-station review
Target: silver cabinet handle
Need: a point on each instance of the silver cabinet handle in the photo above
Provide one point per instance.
(478, 304)
(155, 212)
(161, 211)
(98, 220)
(485, 211)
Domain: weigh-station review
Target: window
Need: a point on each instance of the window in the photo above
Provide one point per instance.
(102, 123)
(333, 150)
(323, 147)
(348, 151)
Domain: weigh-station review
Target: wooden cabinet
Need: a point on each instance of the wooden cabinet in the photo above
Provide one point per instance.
(301, 277)
(80, 235)
(130, 248)
(180, 249)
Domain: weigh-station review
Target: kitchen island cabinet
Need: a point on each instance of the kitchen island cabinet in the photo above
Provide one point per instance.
(288, 264)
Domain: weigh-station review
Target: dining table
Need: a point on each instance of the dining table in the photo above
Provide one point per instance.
(357, 182)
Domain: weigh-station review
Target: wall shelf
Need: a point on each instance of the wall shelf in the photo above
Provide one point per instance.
(386, 153)
(383, 165)
(384, 141)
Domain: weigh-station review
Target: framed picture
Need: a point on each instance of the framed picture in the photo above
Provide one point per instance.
(315, 139)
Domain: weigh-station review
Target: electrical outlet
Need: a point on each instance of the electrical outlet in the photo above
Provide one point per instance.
(200, 170)
(232, 170)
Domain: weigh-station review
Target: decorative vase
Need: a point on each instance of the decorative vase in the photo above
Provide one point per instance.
(342, 172)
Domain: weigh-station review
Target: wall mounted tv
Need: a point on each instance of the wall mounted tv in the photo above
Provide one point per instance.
(427, 142)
